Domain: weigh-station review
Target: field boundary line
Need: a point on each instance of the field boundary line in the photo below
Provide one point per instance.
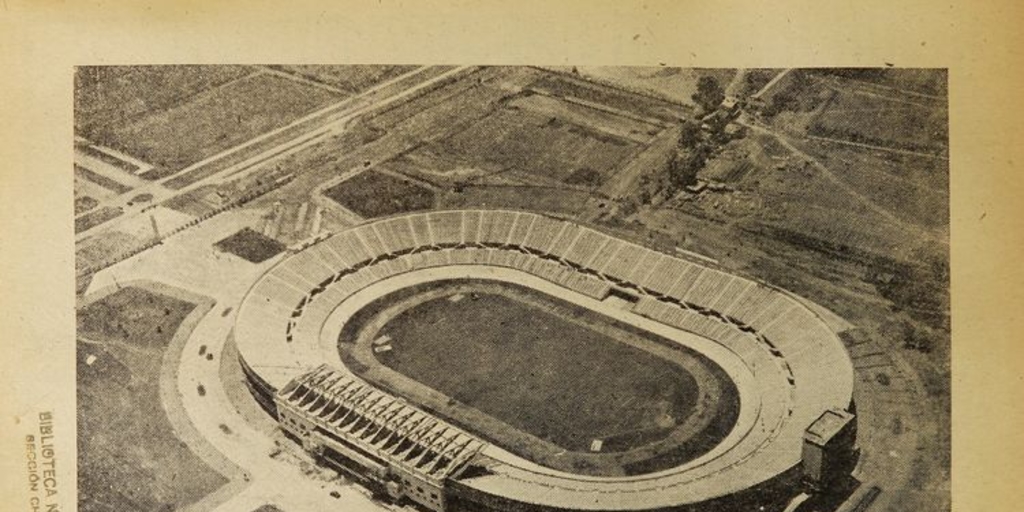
(877, 148)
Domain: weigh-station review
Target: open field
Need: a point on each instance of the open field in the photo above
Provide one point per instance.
(134, 316)
(913, 188)
(519, 197)
(84, 203)
(874, 120)
(529, 141)
(103, 181)
(375, 194)
(102, 247)
(862, 202)
(129, 457)
(107, 97)
(910, 82)
(216, 120)
(575, 88)
(239, 156)
(415, 138)
(97, 217)
(524, 127)
(472, 97)
(544, 378)
(525, 139)
(592, 118)
(676, 84)
(921, 81)
(353, 78)
(107, 158)
(819, 209)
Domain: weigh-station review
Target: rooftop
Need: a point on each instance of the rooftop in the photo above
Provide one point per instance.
(830, 423)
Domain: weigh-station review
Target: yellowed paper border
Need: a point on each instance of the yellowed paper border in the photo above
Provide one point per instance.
(980, 42)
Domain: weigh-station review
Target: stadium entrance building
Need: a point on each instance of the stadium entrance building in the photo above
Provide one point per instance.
(381, 441)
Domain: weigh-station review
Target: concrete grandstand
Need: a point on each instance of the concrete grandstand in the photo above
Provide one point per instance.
(789, 367)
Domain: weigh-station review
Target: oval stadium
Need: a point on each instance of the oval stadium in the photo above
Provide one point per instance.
(505, 360)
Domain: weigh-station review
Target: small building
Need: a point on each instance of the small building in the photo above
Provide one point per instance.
(716, 121)
(828, 448)
(731, 106)
(735, 131)
(696, 188)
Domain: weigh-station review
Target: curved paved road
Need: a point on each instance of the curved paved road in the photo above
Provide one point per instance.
(240, 451)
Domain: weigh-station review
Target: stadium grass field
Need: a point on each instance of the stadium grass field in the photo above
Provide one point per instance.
(544, 378)
(550, 362)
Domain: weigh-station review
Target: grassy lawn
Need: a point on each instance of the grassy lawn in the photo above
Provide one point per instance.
(578, 89)
(129, 457)
(97, 217)
(110, 96)
(216, 120)
(107, 158)
(84, 204)
(876, 121)
(251, 246)
(376, 194)
(101, 180)
(545, 199)
(536, 371)
(546, 145)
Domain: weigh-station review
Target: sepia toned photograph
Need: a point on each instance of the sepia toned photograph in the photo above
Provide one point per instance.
(512, 288)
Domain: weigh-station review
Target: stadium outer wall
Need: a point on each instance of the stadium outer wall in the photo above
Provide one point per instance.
(460, 236)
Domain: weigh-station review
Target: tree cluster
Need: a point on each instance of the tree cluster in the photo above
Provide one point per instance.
(684, 167)
(691, 154)
(692, 148)
(709, 94)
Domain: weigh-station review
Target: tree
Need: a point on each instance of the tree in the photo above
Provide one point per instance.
(709, 94)
(645, 190)
(684, 166)
(689, 135)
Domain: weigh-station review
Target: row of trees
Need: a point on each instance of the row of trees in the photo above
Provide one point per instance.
(709, 95)
(692, 149)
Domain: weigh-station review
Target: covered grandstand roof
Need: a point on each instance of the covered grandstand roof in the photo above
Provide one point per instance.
(379, 423)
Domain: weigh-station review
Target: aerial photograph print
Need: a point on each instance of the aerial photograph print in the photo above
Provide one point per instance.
(445, 288)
